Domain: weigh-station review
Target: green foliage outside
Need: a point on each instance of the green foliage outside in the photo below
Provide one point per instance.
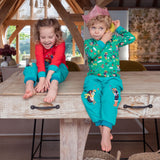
(69, 45)
(24, 42)
(11, 29)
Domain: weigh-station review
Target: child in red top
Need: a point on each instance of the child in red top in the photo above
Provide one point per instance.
(50, 68)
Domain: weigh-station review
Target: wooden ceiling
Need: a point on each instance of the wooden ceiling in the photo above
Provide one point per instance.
(119, 4)
(9, 7)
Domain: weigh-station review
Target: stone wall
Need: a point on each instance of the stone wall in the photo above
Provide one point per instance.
(144, 24)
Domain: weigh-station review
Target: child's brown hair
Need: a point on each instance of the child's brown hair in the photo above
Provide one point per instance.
(49, 22)
(100, 18)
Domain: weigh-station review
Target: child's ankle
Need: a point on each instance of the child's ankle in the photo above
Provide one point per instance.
(106, 129)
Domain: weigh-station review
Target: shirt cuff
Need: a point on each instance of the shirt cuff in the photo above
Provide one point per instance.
(41, 74)
(119, 29)
(53, 67)
(101, 44)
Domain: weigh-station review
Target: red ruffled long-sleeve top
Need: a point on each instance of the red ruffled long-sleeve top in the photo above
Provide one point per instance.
(55, 56)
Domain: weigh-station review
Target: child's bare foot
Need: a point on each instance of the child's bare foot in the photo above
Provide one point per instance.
(52, 92)
(111, 136)
(101, 129)
(106, 139)
(30, 91)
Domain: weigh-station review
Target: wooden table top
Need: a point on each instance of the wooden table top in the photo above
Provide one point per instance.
(140, 89)
(139, 82)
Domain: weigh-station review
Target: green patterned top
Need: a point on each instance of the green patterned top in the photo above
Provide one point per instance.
(103, 59)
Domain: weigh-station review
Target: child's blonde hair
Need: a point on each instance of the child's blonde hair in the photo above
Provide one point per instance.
(100, 18)
(49, 22)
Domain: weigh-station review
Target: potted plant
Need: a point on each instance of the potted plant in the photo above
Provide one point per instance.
(7, 53)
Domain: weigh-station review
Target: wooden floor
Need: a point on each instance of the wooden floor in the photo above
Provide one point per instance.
(19, 148)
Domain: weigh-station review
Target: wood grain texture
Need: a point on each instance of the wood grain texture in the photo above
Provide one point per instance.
(75, 132)
(5, 9)
(134, 83)
(69, 23)
(103, 3)
(140, 89)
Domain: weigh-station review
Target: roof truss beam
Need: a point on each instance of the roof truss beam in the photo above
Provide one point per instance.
(15, 33)
(138, 3)
(5, 9)
(155, 3)
(103, 3)
(69, 23)
(75, 6)
(120, 3)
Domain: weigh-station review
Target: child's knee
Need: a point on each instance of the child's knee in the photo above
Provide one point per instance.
(30, 73)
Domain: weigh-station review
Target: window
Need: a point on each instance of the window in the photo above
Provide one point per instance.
(28, 13)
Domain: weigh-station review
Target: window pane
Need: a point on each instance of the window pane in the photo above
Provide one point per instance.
(69, 44)
(24, 45)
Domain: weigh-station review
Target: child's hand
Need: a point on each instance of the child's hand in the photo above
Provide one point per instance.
(116, 23)
(48, 78)
(106, 37)
(40, 86)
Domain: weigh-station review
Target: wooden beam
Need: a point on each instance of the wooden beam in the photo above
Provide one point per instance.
(45, 8)
(17, 42)
(32, 43)
(15, 33)
(71, 26)
(18, 22)
(138, 3)
(126, 8)
(5, 9)
(73, 42)
(120, 3)
(1, 36)
(75, 6)
(31, 10)
(76, 18)
(32, 22)
(155, 3)
(118, 8)
(103, 3)
(85, 4)
(1, 3)
(17, 49)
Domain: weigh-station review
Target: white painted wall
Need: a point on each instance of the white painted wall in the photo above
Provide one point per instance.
(123, 17)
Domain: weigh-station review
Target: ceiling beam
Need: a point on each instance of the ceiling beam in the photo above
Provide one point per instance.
(138, 3)
(32, 22)
(1, 37)
(69, 23)
(75, 6)
(5, 9)
(120, 3)
(155, 3)
(76, 17)
(85, 4)
(103, 3)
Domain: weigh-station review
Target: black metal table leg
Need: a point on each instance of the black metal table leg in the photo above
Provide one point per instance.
(33, 139)
(41, 139)
(157, 136)
(144, 138)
